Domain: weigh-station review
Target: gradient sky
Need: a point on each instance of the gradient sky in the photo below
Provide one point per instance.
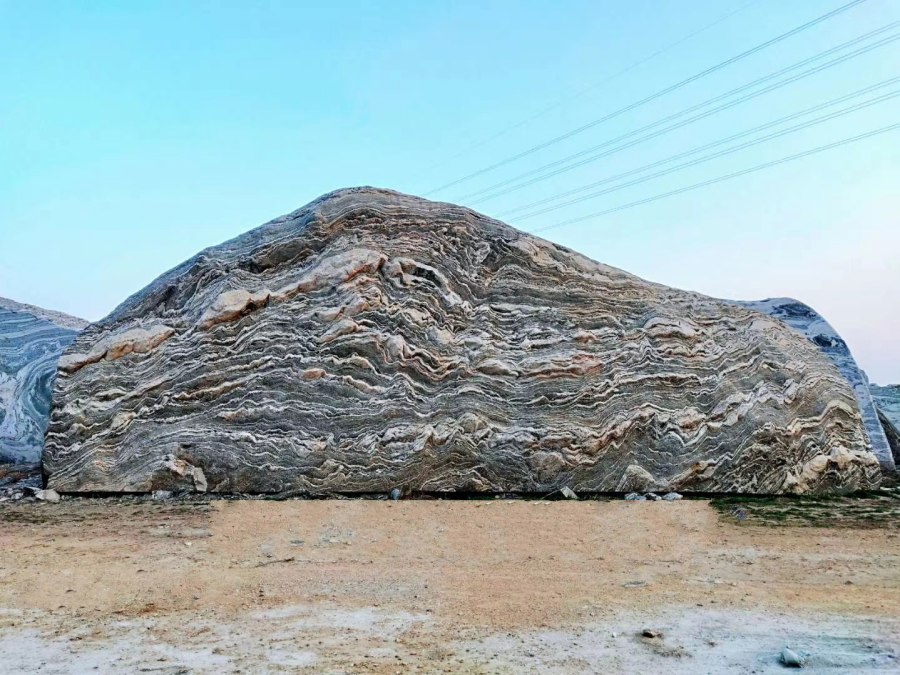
(133, 134)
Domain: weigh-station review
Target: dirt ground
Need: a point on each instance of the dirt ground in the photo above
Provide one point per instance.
(492, 586)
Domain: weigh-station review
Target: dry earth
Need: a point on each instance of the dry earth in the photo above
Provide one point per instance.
(495, 586)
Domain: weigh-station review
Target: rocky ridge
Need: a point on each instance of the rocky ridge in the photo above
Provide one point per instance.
(372, 340)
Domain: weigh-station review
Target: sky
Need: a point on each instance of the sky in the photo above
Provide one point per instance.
(133, 134)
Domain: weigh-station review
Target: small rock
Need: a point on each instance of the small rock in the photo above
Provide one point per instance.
(51, 496)
(162, 495)
(672, 496)
(792, 659)
(635, 497)
(653, 496)
(568, 493)
(650, 633)
(267, 550)
(395, 494)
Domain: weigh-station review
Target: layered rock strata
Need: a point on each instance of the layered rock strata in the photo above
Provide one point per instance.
(809, 323)
(373, 340)
(31, 341)
(887, 401)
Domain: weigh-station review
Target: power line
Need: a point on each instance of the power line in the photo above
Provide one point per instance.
(719, 179)
(778, 134)
(658, 94)
(546, 170)
(693, 151)
(596, 85)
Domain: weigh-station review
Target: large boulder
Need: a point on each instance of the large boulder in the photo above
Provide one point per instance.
(373, 340)
(809, 323)
(31, 341)
(887, 401)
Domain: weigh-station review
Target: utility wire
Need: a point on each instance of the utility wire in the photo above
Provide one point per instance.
(694, 151)
(658, 94)
(729, 176)
(567, 164)
(609, 78)
(700, 160)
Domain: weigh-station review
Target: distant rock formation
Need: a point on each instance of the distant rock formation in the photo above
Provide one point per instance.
(805, 320)
(31, 341)
(373, 340)
(887, 401)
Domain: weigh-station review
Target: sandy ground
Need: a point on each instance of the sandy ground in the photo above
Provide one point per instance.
(496, 586)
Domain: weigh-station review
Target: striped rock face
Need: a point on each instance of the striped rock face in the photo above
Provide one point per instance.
(373, 340)
(31, 341)
(815, 328)
(887, 402)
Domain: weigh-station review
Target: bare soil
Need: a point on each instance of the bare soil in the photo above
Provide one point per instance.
(492, 586)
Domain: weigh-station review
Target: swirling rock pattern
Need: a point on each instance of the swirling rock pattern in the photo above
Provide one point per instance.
(31, 340)
(887, 401)
(373, 340)
(810, 324)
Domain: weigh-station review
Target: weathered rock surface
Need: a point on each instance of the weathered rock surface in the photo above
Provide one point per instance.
(887, 401)
(805, 320)
(373, 340)
(31, 341)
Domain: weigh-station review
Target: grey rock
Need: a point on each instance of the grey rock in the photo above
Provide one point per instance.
(887, 402)
(672, 496)
(892, 433)
(568, 493)
(792, 659)
(51, 496)
(809, 323)
(31, 341)
(162, 495)
(635, 497)
(372, 339)
(395, 494)
(653, 497)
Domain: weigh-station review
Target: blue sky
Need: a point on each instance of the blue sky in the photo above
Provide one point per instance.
(133, 134)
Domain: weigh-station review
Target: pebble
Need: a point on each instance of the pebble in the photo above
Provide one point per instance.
(635, 497)
(653, 496)
(568, 493)
(672, 496)
(791, 659)
(650, 633)
(395, 494)
(161, 495)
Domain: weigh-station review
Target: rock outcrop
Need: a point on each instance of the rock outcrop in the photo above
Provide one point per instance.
(31, 341)
(373, 340)
(887, 401)
(809, 323)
